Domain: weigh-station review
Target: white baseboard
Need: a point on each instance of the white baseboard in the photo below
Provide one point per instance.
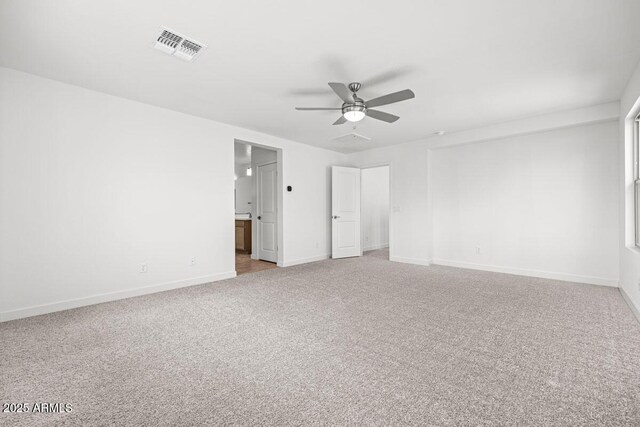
(305, 260)
(375, 247)
(110, 296)
(634, 309)
(602, 281)
(416, 261)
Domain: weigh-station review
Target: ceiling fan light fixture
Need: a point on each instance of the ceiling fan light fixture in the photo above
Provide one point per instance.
(354, 112)
(354, 116)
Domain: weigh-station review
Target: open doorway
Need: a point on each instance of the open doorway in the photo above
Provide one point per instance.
(375, 206)
(257, 201)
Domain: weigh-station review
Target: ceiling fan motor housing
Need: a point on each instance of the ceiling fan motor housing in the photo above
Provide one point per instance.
(354, 87)
(357, 105)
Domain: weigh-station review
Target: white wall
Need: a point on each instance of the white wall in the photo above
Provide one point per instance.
(543, 204)
(409, 226)
(629, 255)
(261, 155)
(244, 193)
(375, 208)
(92, 186)
(241, 169)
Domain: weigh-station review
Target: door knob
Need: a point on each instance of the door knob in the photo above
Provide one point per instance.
(336, 217)
(259, 217)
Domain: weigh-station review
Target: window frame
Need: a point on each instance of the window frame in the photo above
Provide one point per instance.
(636, 178)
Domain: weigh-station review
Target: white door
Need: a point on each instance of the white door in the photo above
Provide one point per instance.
(345, 212)
(267, 212)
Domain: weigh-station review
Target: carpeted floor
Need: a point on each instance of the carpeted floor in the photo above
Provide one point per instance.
(356, 341)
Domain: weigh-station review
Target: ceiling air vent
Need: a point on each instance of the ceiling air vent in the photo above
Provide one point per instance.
(173, 43)
(351, 137)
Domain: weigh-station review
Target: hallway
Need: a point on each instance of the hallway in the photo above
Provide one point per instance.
(244, 264)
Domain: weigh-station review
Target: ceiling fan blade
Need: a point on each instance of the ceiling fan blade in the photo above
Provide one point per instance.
(316, 109)
(381, 115)
(340, 121)
(391, 98)
(342, 91)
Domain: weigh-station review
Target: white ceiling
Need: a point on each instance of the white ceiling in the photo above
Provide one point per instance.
(470, 63)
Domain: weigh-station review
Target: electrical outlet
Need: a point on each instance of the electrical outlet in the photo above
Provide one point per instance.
(193, 261)
(478, 250)
(143, 268)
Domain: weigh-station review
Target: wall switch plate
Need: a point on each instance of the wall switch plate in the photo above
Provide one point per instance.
(478, 250)
(143, 268)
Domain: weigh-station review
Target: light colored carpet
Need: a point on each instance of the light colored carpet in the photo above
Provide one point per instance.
(357, 341)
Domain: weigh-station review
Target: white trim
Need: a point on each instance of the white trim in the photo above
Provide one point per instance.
(111, 296)
(304, 260)
(375, 247)
(635, 310)
(375, 165)
(591, 280)
(415, 261)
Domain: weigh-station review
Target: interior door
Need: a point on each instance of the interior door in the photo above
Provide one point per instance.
(345, 212)
(267, 212)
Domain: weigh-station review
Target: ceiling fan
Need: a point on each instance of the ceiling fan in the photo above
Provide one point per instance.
(355, 109)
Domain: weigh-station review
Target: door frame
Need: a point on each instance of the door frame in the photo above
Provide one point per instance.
(279, 202)
(391, 216)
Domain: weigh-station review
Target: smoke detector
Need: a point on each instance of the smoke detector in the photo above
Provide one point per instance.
(178, 45)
